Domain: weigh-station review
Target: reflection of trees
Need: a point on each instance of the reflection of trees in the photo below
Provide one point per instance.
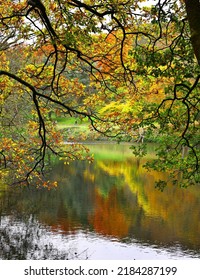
(113, 198)
(157, 217)
(27, 240)
(122, 202)
(109, 217)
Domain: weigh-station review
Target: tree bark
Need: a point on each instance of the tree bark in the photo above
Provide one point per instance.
(193, 15)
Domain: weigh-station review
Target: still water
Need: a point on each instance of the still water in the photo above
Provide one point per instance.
(105, 210)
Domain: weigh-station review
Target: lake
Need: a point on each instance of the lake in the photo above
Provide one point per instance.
(108, 209)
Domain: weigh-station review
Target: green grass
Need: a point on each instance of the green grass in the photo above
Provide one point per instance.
(70, 121)
(102, 148)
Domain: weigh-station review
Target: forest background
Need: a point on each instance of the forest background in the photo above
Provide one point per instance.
(127, 69)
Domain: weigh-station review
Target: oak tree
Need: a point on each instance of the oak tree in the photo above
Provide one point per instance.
(126, 66)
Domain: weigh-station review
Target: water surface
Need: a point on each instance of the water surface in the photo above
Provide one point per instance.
(109, 209)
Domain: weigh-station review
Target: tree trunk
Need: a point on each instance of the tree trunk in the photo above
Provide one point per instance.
(193, 15)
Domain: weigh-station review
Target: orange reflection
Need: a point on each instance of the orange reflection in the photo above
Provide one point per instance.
(109, 217)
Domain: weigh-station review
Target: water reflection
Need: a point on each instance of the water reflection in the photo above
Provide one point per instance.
(111, 203)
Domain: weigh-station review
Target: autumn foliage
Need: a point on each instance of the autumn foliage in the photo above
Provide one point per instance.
(125, 66)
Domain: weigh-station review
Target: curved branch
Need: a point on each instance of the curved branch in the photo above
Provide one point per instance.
(92, 9)
(40, 8)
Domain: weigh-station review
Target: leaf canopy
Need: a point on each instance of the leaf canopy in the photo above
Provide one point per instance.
(130, 68)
